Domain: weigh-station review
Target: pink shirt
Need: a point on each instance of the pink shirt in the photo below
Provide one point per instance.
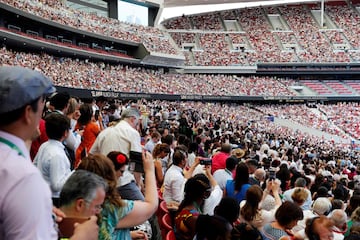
(25, 198)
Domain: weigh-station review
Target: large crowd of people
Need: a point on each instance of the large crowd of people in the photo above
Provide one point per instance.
(100, 76)
(298, 28)
(103, 168)
(153, 38)
(262, 40)
(345, 116)
(276, 182)
(307, 116)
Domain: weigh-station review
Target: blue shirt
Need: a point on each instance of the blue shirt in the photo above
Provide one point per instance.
(230, 190)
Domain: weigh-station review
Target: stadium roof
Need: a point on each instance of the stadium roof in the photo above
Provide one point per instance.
(181, 3)
(174, 8)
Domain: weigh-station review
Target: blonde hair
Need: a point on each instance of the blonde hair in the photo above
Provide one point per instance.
(299, 196)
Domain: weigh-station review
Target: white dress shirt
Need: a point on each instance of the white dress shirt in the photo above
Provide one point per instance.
(54, 165)
(174, 182)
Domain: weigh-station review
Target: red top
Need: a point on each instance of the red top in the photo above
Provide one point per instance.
(219, 161)
(91, 130)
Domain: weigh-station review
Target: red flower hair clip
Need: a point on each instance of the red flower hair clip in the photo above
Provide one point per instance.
(121, 159)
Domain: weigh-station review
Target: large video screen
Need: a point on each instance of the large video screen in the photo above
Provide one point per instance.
(132, 13)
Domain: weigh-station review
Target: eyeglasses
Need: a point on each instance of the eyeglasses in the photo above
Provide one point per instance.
(98, 207)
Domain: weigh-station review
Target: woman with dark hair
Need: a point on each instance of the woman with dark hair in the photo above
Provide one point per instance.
(353, 211)
(91, 130)
(251, 212)
(237, 187)
(287, 216)
(120, 160)
(160, 151)
(284, 175)
(196, 190)
(319, 180)
(228, 208)
(353, 204)
(212, 228)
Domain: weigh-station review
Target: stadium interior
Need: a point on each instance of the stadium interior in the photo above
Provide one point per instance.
(297, 58)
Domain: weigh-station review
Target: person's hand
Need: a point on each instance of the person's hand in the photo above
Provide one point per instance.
(172, 205)
(88, 230)
(269, 185)
(207, 169)
(275, 186)
(80, 132)
(59, 215)
(197, 161)
(138, 234)
(148, 161)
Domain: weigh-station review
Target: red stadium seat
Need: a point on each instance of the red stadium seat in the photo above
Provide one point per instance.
(170, 235)
(166, 225)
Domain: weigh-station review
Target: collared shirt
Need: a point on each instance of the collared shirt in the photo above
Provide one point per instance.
(221, 176)
(25, 198)
(121, 137)
(150, 145)
(174, 182)
(54, 165)
(73, 140)
(307, 204)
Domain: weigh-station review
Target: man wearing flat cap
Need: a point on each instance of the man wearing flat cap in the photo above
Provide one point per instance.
(25, 198)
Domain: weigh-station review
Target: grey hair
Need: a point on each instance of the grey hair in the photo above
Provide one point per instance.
(339, 217)
(300, 182)
(130, 112)
(81, 184)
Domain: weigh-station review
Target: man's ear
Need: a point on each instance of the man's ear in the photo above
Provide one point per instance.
(79, 204)
(66, 134)
(28, 112)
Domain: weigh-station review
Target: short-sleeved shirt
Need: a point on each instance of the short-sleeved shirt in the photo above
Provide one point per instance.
(110, 216)
(222, 176)
(272, 233)
(181, 230)
(122, 137)
(230, 190)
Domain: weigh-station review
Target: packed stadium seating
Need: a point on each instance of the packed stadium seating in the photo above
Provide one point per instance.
(100, 76)
(288, 33)
(154, 39)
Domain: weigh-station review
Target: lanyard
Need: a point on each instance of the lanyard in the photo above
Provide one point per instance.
(12, 146)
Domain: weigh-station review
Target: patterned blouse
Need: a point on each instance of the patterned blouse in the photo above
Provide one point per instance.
(110, 216)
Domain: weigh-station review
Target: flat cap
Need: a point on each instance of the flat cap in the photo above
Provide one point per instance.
(20, 86)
